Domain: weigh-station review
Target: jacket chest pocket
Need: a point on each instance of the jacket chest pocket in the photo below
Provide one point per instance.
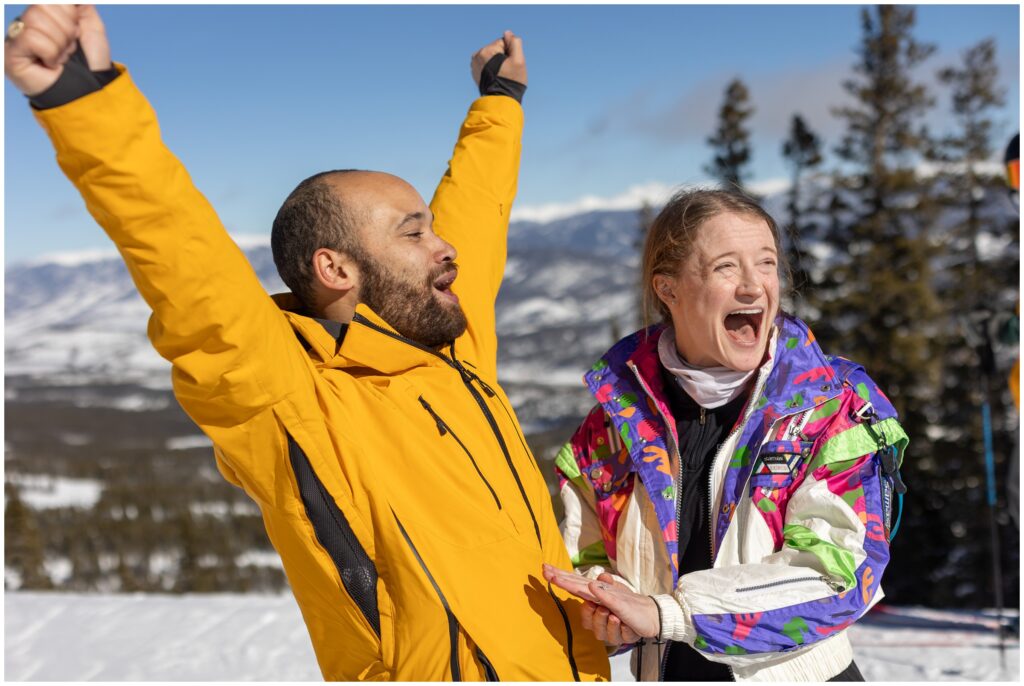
(470, 507)
(779, 463)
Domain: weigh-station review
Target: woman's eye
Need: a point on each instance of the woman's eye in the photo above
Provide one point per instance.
(724, 266)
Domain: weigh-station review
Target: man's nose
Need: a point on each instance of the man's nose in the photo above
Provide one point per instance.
(445, 251)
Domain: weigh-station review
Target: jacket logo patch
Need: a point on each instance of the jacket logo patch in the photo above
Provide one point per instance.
(780, 463)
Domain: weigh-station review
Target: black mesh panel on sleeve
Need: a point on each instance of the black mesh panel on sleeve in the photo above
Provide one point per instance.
(357, 571)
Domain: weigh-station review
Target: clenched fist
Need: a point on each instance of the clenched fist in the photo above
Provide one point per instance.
(514, 66)
(35, 57)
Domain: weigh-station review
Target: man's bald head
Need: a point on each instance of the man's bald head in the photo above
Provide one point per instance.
(324, 211)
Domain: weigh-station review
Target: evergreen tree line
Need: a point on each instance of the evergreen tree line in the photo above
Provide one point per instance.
(149, 531)
(886, 256)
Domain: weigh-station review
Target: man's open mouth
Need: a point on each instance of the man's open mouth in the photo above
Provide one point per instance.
(743, 326)
(444, 283)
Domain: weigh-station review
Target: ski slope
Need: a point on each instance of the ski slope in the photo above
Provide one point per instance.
(69, 637)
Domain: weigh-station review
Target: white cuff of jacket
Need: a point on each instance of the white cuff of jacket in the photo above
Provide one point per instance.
(674, 626)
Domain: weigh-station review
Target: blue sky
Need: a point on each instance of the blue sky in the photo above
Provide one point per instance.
(255, 98)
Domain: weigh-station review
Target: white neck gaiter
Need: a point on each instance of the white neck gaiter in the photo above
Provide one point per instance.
(710, 387)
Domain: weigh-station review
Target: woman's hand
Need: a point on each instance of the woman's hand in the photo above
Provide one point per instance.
(613, 612)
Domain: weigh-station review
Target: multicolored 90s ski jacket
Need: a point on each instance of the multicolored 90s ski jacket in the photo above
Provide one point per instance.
(801, 500)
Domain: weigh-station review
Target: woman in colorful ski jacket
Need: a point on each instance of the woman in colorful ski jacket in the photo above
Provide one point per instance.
(729, 499)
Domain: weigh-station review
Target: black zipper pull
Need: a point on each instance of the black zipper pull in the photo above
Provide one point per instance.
(467, 376)
(487, 389)
(441, 428)
(891, 469)
(703, 415)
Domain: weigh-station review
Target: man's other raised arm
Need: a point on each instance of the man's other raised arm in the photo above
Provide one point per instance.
(211, 317)
(472, 203)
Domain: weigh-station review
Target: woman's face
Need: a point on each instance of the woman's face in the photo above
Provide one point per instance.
(726, 295)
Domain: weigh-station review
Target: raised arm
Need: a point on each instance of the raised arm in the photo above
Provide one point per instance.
(211, 317)
(472, 203)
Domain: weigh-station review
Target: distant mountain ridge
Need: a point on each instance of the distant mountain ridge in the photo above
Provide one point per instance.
(76, 318)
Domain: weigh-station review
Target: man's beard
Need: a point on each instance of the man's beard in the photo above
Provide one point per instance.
(413, 311)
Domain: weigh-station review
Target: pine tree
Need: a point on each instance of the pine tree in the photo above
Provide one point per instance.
(128, 582)
(189, 570)
(975, 94)
(888, 275)
(889, 318)
(731, 140)
(803, 151)
(23, 547)
(973, 285)
(86, 572)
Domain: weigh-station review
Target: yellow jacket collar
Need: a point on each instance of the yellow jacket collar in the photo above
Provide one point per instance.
(367, 341)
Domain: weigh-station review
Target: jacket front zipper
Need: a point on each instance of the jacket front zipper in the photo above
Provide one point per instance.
(467, 380)
(711, 510)
(443, 428)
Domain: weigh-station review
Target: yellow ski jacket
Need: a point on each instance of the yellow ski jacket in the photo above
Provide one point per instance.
(393, 480)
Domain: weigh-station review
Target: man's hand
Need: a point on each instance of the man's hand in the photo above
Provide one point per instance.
(514, 66)
(613, 612)
(35, 58)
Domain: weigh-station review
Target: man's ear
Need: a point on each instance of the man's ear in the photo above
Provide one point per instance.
(335, 271)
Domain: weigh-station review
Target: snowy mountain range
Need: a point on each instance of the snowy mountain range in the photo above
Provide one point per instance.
(77, 318)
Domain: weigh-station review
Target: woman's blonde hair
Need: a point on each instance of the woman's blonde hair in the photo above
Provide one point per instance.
(670, 239)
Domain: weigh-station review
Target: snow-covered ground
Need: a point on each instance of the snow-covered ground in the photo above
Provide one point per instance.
(68, 637)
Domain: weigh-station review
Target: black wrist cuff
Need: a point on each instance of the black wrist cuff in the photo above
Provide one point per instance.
(106, 76)
(75, 81)
(492, 84)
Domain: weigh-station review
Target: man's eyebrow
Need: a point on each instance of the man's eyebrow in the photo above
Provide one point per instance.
(411, 217)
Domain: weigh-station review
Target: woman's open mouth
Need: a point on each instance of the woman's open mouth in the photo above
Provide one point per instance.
(743, 326)
(443, 284)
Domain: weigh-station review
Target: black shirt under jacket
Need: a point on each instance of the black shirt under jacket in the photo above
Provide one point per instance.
(701, 433)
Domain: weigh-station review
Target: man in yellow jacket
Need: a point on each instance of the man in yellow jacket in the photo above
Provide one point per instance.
(362, 412)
